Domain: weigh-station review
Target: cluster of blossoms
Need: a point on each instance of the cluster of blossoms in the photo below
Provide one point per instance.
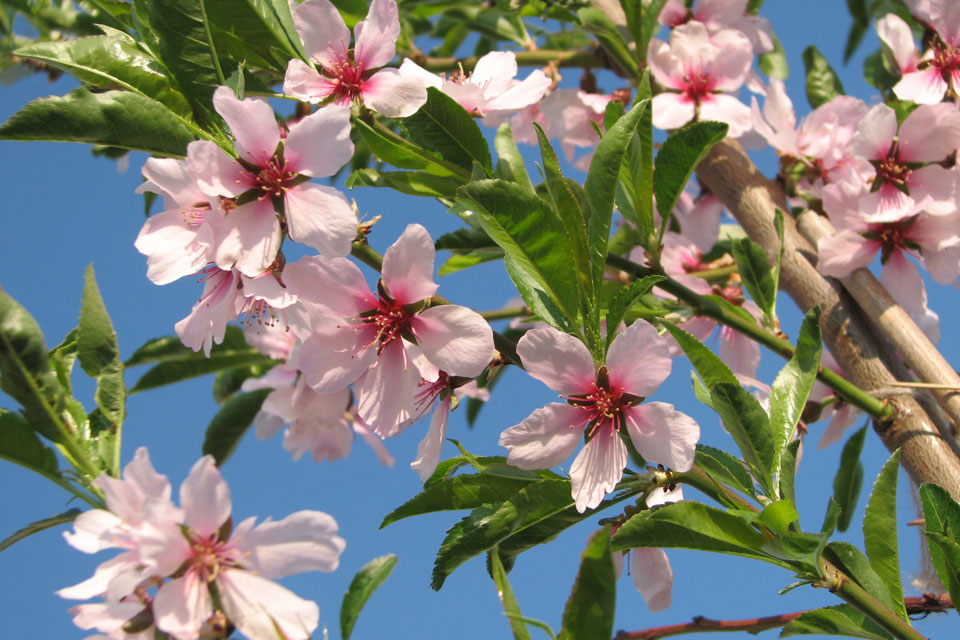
(188, 571)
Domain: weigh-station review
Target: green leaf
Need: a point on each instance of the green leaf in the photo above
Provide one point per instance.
(491, 22)
(756, 275)
(62, 358)
(643, 161)
(505, 592)
(19, 444)
(444, 126)
(601, 184)
(258, 31)
(465, 240)
(677, 160)
(100, 358)
(651, 26)
(414, 183)
(487, 526)
(801, 549)
(823, 84)
(691, 525)
(778, 517)
(368, 579)
(841, 620)
(25, 373)
(40, 525)
(710, 367)
(114, 118)
(394, 150)
(588, 614)
(178, 35)
(880, 531)
(747, 422)
(788, 471)
(774, 63)
(945, 556)
(231, 422)
(792, 386)
(849, 478)
(459, 492)
(596, 22)
(461, 261)
(942, 529)
(861, 24)
(724, 468)
(877, 72)
(228, 382)
(853, 563)
(510, 165)
(111, 62)
(624, 299)
(571, 215)
(831, 517)
(533, 239)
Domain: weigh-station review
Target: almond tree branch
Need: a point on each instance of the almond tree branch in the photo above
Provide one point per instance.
(927, 603)
(866, 358)
(891, 319)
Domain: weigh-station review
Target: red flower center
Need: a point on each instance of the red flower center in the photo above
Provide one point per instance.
(604, 404)
(274, 179)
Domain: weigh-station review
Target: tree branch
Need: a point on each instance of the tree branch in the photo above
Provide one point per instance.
(866, 358)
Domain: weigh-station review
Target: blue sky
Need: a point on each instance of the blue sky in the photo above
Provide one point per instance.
(63, 209)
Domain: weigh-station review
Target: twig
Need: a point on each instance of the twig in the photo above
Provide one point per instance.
(927, 603)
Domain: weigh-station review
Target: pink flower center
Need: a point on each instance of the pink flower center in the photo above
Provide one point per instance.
(697, 85)
(193, 216)
(208, 554)
(603, 404)
(348, 82)
(893, 236)
(947, 60)
(390, 319)
(274, 179)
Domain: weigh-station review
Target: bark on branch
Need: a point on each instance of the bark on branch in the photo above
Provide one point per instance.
(865, 358)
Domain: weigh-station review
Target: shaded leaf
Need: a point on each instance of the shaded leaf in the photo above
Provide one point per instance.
(588, 614)
(624, 299)
(364, 583)
(756, 275)
(774, 63)
(40, 525)
(19, 444)
(747, 422)
(842, 620)
(823, 83)
(510, 165)
(99, 356)
(505, 592)
(414, 183)
(459, 492)
(444, 126)
(849, 478)
(708, 365)
(880, 531)
(394, 150)
(231, 422)
(853, 563)
(724, 468)
(596, 22)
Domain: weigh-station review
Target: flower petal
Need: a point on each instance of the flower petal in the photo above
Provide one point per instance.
(454, 338)
(301, 81)
(428, 451)
(301, 151)
(662, 434)
(182, 606)
(408, 266)
(263, 610)
(546, 438)
(250, 238)
(653, 577)
(303, 541)
(639, 343)
(394, 93)
(320, 217)
(597, 469)
(558, 360)
(252, 122)
(325, 35)
(205, 497)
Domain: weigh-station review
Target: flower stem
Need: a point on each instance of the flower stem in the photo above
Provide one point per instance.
(504, 314)
(705, 307)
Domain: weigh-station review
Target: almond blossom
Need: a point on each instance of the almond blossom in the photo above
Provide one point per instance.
(346, 79)
(269, 180)
(698, 71)
(926, 78)
(601, 405)
(491, 90)
(368, 338)
(717, 15)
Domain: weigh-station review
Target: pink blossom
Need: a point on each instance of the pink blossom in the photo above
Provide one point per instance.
(927, 78)
(905, 160)
(600, 405)
(367, 337)
(178, 241)
(717, 15)
(491, 90)
(697, 69)
(346, 79)
(272, 185)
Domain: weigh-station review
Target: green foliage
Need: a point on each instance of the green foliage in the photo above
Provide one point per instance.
(19, 444)
(724, 468)
(756, 276)
(394, 150)
(460, 492)
(861, 24)
(942, 529)
(624, 299)
(364, 583)
(588, 614)
(823, 83)
(40, 525)
(505, 592)
(747, 423)
(114, 118)
(510, 164)
(880, 531)
(841, 620)
(708, 364)
(231, 422)
(774, 63)
(443, 126)
(849, 478)
(414, 183)
(853, 563)
(596, 22)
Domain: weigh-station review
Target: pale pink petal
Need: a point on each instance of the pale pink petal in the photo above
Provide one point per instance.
(454, 338)
(337, 285)
(408, 266)
(887, 204)
(324, 441)
(933, 189)
(262, 610)
(334, 357)
(653, 577)
(732, 59)
(301, 151)
(108, 617)
(428, 452)
(205, 497)
(495, 72)
(411, 69)
(252, 122)
(386, 391)
(97, 584)
(303, 541)
(724, 108)
(93, 531)
(207, 322)
(320, 217)
(217, 173)
(665, 66)
(922, 87)
(182, 605)
(672, 110)
(662, 434)
(250, 238)
(896, 34)
(902, 279)
(301, 81)
(930, 133)
(842, 420)
(559, 360)
(273, 413)
(376, 36)
(875, 133)
(394, 93)
(663, 495)
(597, 469)
(174, 247)
(546, 438)
(325, 36)
(523, 94)
(639, 343)
(171, 179)
(844, 252)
